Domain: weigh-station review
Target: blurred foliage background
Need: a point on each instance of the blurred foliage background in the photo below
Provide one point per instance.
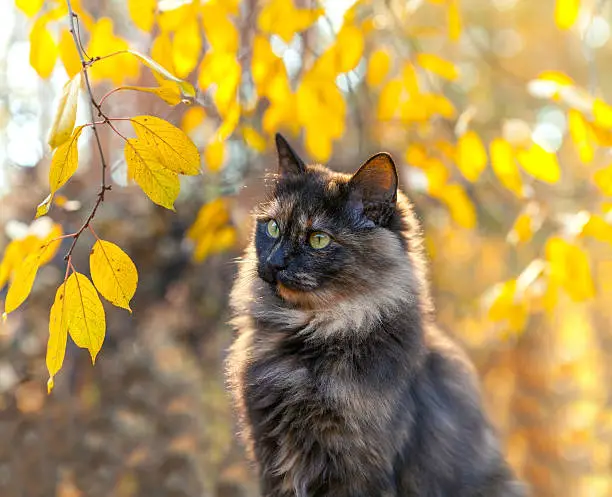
(496, 114)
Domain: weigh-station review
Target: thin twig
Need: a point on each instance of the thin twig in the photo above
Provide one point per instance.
(92, 105)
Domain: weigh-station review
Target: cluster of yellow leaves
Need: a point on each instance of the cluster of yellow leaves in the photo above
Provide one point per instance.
(589, 120)
(211, 232)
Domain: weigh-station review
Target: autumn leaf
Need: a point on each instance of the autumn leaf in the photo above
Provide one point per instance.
(214, 155)
(582, 135)
(166, 79)
(142, 13)
(603, 179)
(68, 54)
(58, 334)
(389, 97)
(460, 206)
(253, 139)
(211, 232)
(113, 273)
(602, 113)
(42, 209)
(471, 155)
(103, 42)
(22, 282)
(65, 161)
(186, 47)
(539, 163)
(281, 17)
(65, 116)
(454, 20)
(145, 167)
(569, 267)
(84, 314)
(43, 48)
(438, 65)
(220, 32)
(379, 64)
(168, 92)
(173, 149)
(504, 166)
(508, 306)
(598, 228)
(192, 118)
(566, 13)
(29, 7)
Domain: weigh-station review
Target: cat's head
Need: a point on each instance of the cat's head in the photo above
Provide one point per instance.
(324, 237)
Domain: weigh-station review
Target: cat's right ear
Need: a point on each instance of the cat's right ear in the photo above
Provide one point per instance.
(289, 162)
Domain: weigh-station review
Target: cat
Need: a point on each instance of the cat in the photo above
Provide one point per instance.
(343, 384)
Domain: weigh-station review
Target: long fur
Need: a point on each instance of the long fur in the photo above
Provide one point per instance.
(343, 384)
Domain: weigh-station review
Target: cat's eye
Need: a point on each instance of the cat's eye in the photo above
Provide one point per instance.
(319, 240)
(273, 229)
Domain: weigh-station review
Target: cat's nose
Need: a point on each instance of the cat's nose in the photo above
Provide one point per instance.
(276, 262)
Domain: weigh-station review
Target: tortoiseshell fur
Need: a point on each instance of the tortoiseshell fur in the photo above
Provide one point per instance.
(343, 383)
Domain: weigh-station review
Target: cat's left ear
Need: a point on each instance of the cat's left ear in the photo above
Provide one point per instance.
(288, 161)
(374, 186)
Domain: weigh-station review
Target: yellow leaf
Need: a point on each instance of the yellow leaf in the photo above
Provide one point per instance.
(50, 244)
(65, 115)
(539, 163)
(416, 155)
(142, 13)
(603, 179)
(318, 144)
(558, 77)
(22, 282)
(102, 42)
(214, 242)
(348, 48)
(171, 19)
(460, 206)
(13, 256)
(161, 52)
(113, 273)
(165, 78)
(192, 118)
(507, 306)
(58, 334)
(43, 208)
(173, 148)
(68, 54)
(84, 314)
(569, 268)
(602, 113)
(160, 184)
(471, 155)
(223, 70)
(211, 216)
(504, 166)
(214, 155)
(220, 32)
(388, 100)
(64, 161)
(566, 13)
(169, 93)
(522, 230)
(282, 18)
(454, 20)
(29, 7)
(43, 48)
(379, 64)
(438, 65)
(582, 135)
(186, 47)
(597, 227)
(410, 79)
(437, 175)
(253, 139)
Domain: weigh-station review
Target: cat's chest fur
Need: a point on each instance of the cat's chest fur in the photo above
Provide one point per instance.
(310, 407)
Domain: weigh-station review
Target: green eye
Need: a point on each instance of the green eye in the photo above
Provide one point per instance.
(319, 240)
(273, 229)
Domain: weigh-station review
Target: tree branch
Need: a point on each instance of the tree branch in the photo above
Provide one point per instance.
(92, 105)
